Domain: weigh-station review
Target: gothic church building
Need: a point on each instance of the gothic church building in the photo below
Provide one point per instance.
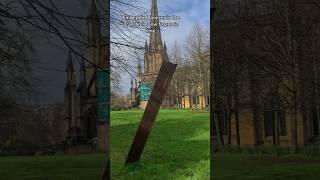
(81, 101)
(155, 53)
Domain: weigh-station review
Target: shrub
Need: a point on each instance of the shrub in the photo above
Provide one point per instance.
(119, 108)
(310, 150)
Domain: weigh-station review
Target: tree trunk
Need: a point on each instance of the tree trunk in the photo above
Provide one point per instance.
(229, 126)
(316, 91)
(229, 110)
(294, 139)
(219, 126)
(214, 108)
(276, 128)
(236, 112)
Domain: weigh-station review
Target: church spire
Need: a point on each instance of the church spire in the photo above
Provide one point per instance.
(164, 52)
(146, 47)
(69, 68)
(82, 69)
(93, 10)
(139, 69)
(83, 83)
(93, 23)
(155, 43)
(70, 96)
(70, 71)
(131, 88)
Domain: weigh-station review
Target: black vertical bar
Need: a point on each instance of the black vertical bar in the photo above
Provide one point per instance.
(212, 121)
(106, 174)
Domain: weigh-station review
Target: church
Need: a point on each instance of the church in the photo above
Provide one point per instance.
(80, 100)
(155, 52)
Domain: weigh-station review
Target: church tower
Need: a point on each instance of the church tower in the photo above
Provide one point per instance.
(70, 98)
(139, 73)
(82, 104)
(96, 48)
(82, 97)
(96, 57)
(155, 53)
(155, 42)
(132, 96)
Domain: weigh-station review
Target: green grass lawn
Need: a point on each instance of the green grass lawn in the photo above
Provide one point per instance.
(258, 167)
(178, 148)
(82, 167)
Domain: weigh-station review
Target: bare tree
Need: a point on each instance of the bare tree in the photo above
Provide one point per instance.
(197, 48)
(270, 53)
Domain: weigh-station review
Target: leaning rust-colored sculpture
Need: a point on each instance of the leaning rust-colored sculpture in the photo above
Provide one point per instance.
(157, 95)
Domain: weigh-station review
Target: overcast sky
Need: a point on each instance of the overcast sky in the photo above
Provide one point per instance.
(53, 56)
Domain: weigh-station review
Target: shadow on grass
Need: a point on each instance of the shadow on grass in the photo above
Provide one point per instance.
(77, 167)
(263, 167)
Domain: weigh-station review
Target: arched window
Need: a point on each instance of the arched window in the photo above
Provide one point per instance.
(315, 121)
(282, 122)
(269, 119)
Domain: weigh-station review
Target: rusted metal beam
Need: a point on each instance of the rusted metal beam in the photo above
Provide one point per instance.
(149, 116)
